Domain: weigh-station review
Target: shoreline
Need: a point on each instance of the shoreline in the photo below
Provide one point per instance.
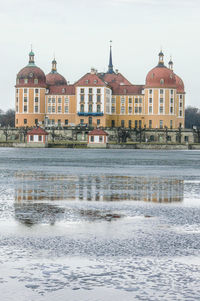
(135, 145)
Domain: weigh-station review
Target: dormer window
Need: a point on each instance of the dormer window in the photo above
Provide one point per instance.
(26, 80)
(63, 90)
(162, 81)
(87, 81)
(95, 81)
(35, 81)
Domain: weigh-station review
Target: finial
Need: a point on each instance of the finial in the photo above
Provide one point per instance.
(161, 58)
(31, 56)
(171, 64)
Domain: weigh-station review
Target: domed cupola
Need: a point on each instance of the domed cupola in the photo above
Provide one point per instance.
(54, 78)
(31, 75)
(160, 76)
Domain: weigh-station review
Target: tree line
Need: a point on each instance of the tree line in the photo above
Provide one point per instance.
(192, 117)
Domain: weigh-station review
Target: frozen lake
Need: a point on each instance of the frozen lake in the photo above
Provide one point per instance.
(99, 224)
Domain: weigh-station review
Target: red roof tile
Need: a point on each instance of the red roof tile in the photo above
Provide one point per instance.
(114, 78)
(62, 90)
(37, 131)
(90, 79)
(99, 132)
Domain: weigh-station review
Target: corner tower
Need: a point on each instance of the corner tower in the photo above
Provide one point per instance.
(30, 95)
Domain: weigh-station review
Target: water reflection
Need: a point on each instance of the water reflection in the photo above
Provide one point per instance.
(37, 187)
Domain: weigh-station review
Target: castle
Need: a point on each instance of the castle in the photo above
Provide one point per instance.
(99, 99)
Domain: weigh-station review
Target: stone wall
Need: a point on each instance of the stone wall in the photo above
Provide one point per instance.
(116, 135)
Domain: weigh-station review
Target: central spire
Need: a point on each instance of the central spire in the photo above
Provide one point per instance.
(110, 66)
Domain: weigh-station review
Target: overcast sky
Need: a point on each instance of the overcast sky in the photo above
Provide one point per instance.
(79, 33)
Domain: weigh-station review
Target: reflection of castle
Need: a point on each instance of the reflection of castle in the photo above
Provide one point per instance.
(37, 187)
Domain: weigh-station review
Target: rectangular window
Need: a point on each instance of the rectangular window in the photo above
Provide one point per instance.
(25, 99)
(180, 113)
(150, 110)
(113, 100)
(25, 109)
(172, 92)
(150, 91)
(122, 123)
(49, 100)
(150, 124)
(66, 109)
(49, 109)
(136, 100)
(82, 90)
(140, 100)
(53, 122)
(31, 138)
(130, 110)
(40, 138)
(98, 108)
(82, 108)
(150, 100)
(53, 100)
(25, 91)
(82, 98)
(98, 98)
(25, 121)
(36, 121)
(59, 109)
(36, 99)
(181, 96)
(90, 98)
(181, 104)
(59, 100)
(136, 123)
(122, 110)
(17, 99)
(161, 91)
(129, 124)
(140, 110)
(112, 123)
(171, 124)
(98, 91)
(161, 110)
(161, 124)
(113, 109)
(171, 110)
(36, 91)
(130, 100)
(36, 109)
(66, 100)
(53, 109)
(90, 90)
(136, 110)
(90, 108)
(161, 100)
(140, 123)
(98, 121)
(171, 100)
(66, 121)
(122, 100)
(100, 138)
(59, 122)
(17, 108)
(92, 139)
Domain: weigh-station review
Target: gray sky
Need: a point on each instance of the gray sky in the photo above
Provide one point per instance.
(79, 33)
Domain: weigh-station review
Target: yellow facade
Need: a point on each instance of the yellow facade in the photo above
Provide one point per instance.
(153, 107)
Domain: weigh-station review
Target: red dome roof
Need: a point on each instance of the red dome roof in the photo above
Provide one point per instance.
(160, 77)
(55, 79)
(179, 85)
(34, 76)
